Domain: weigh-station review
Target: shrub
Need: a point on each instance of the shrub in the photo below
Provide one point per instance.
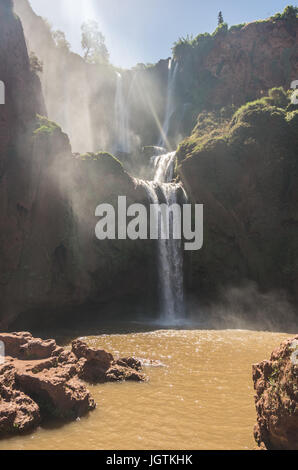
(45, 126)
(104, 159)
(222, 28)
(36, 65)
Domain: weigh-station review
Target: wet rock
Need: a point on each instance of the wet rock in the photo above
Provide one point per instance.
(40, 380)
(99, 366)
(276, 386)
(80, 349)
(117, 373)
(131, 362)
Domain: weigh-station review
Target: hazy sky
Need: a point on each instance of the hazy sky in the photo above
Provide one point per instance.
(145, 30)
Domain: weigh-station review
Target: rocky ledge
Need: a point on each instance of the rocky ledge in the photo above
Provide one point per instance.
(276, 385)
(40, 380)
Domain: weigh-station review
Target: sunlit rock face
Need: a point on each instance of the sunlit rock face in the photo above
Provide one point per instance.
(247, 63)
(236, 66)
(81, 97)
(50, 258)
(40, 381)
(275, 383)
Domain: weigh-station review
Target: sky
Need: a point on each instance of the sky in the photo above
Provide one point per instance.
(143, 31)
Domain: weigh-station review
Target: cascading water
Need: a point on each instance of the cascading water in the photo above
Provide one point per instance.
(121, 119)
(170, 255)
(170, 106)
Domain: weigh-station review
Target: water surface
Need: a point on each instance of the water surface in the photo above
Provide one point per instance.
(201, 397)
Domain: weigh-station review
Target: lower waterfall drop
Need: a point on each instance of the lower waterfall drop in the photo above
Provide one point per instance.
(170, 254)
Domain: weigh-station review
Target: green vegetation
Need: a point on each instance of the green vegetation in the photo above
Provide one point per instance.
(290, 13)
(237, 27)
(93, 43)
(186, 44)
(36, 65)
(60, 40)
(220, 18)
(197, 85)
(109, 162)
(272, 114)
(45, 126)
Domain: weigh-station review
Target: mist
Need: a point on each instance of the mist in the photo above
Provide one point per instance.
(245, 307)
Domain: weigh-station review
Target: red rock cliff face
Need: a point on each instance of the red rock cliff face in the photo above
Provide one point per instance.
(248, 62)
(238, 65)
(23, 101)
(22, 87)
(50, 259)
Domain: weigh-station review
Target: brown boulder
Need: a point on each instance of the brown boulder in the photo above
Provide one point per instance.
(18, 412)
(98, 366)
(276, 386)
(24, 346)
(14, 341)
(40, 380)
(58, 391)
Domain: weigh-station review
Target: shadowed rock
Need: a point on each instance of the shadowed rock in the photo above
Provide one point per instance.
(40, 380)
(99, 366)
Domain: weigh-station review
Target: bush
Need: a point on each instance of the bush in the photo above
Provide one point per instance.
(36, 65)
(290, 13)
(222, 28)
(104, 159)
(45, 126)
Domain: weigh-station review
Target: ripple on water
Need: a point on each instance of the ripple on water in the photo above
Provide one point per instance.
(200, 394)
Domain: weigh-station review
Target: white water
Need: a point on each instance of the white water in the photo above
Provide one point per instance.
(121, 119)
(170, 106)
(170, 255)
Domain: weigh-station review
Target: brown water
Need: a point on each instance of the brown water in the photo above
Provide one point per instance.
(201, 398)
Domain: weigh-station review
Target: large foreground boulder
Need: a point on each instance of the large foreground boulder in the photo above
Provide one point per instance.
(276, 385)
(18, 412)
(40, 380)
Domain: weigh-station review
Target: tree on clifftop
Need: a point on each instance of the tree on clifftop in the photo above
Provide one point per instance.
(93, 43)
(290, 12)
(220, 18)
(60, 40)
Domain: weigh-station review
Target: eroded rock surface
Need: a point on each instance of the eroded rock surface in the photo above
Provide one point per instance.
(276, 385)
(99, 366)
(40, 380)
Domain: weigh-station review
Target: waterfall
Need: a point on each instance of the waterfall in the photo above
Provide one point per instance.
(170, 254)
(170, 106)
(121, 119)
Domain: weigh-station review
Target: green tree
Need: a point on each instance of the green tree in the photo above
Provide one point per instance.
(220, 18)
(36, 65)
(93, 44)
(290, 12)
(60, 40)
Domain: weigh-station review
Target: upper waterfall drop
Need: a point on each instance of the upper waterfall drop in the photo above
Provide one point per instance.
(170, 105)
(121, 119)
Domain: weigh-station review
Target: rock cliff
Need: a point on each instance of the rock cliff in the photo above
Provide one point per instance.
(276, 386)
(49, 256)
(244, 170)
